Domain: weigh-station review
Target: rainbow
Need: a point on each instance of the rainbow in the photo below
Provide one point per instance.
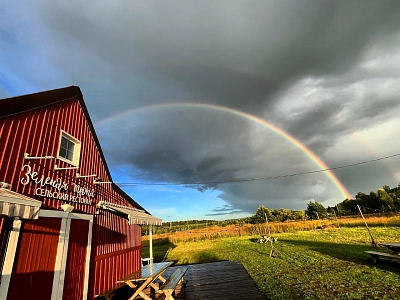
(248, 116)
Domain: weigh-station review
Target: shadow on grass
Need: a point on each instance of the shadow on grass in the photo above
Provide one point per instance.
(349, 252)
(254, 240)
(206, 256)
(161, 248)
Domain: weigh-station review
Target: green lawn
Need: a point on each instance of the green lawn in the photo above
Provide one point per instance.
(317, 264)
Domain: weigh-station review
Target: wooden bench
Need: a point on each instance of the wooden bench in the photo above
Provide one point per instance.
(169, 286)
(375, 255)
(108, 294)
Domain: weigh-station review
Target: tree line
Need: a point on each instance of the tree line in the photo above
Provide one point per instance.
(385, 199)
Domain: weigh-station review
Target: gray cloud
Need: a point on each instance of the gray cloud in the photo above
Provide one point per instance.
(321, 70)
(224, 210)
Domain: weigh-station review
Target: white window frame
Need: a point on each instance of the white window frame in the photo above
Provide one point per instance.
(77, 149)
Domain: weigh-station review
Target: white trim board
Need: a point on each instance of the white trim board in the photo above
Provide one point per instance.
(58, 264)
(9, 259)
(87, 267)
(64, 215)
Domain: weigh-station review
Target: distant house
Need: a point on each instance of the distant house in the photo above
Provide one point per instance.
(66, 231)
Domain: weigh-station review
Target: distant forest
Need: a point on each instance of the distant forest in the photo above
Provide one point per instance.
(385, 199)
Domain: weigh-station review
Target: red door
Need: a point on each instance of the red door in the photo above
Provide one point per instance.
(76, 259)
(33, 271)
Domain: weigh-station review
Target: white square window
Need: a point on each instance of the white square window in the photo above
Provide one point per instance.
(70, 149)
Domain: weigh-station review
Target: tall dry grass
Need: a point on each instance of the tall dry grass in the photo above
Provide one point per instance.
(216, 232)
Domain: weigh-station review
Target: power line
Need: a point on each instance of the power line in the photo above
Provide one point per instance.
(261, 178)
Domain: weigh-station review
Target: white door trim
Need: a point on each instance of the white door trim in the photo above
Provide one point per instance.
(62, 251)
(62, 243)
(59, 289)
(9, 259)
(88, 253)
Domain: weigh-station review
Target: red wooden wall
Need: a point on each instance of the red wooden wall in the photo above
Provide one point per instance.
(109, 268)
(76, 259)
(33, 270)
(37, 132)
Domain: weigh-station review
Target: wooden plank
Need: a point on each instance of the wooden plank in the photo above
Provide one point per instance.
(173, 280)
(150, 270)
(375, 253)
(392, 244)
(219, 280)
(211, 281)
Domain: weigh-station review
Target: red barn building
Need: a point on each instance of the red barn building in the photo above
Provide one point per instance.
(66, 231)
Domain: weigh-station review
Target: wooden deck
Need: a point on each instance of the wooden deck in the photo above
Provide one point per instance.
(220, 280)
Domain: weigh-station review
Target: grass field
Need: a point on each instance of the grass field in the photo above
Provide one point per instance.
(312, 264)
(216, 232)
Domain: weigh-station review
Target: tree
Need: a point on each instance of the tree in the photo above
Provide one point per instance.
(386, 188)
(259, 216)
(397, 198)
(374, 201)
(362, 199)
(316, 210)
(339, 210)
(385, 200)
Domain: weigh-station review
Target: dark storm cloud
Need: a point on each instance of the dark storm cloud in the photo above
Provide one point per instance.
(319, 125)
(233, 54)
(246, 55)
(224, 210)
(228, 87)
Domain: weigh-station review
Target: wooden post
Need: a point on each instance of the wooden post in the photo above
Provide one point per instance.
(266, 219)
(270, 237)
(366, 225)
(337, 221)
(151, 243)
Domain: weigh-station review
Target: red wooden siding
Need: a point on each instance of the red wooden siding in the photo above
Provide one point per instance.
(75, 269)
(37, 132)
(109, 268)
(2, 222)
(113, 233)
(33, 270)
(117, 249)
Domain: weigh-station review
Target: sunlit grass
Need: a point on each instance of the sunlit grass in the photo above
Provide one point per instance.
(314, 264)
(217, 232)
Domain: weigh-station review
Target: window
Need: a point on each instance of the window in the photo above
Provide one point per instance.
(69, 149)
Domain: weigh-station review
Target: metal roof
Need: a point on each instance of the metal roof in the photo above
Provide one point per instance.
(135, 216)
(13, 204)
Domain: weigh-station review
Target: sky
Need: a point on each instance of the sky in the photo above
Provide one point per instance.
(212, 93)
